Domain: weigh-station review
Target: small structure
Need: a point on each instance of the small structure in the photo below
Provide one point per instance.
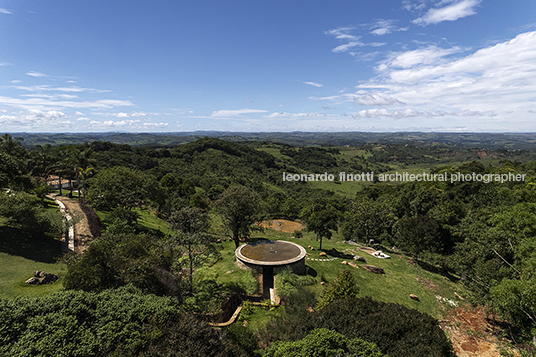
(268, 258)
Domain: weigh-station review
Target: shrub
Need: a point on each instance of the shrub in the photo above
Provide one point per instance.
(324, 343)
(249, 283)
(287, 283)
(342, 287)
(121, 322)
(395, 329)
(117, 260)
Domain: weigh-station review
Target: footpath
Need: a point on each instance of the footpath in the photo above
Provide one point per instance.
(79, 235)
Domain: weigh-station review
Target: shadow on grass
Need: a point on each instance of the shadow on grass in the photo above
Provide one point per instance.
(335, 253)
(310, 271)
(17, 242)
(438, 270)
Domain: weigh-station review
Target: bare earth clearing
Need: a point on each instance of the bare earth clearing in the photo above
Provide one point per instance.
(283, 225)
(472, 332)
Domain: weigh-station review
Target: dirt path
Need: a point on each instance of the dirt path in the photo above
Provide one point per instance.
(82, 234)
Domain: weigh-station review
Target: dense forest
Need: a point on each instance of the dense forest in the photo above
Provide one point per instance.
(142, 290)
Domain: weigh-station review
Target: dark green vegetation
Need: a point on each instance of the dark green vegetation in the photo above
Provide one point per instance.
(512, 141)
(163, 210)
(396, 330)
(121, 322)
(324, 343)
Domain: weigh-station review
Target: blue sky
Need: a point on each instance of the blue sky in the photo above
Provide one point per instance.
(252, 65)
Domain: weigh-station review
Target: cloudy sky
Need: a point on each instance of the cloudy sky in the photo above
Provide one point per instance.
(272, 65)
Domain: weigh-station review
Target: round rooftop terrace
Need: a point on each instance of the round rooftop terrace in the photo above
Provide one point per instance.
(270, 253)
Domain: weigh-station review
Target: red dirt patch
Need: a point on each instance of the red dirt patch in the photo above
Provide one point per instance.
(283, 225)
(472, 332)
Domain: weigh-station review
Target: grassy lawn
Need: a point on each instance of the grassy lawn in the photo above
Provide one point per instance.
(401, 277)
(21, 255)
(15, 270)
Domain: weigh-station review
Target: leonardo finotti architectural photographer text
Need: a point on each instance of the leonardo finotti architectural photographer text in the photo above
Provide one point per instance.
(405, 176)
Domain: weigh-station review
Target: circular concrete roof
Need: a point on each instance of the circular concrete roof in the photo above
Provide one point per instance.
(270, 252)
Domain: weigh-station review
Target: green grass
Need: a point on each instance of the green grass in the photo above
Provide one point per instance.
(149, 220)
(401, 278)
(261, 316)
(21, 254)
(15, 270)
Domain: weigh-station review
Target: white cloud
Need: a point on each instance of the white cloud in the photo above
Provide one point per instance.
(362, 97)
(412, 5)
(384, 27)
(15, 81)
(343, 33)
(59, 96)
(429, 55)
(122, 115)
(41, 103)
(78, 113)
(494, 86)
(410, 113)
(452, 12)
(231, 113)
(155, 125)
(5, 11)
(296, 115)
(34, 118)
(314, 84)
(36, 74)
(347, 46)
(37, 88)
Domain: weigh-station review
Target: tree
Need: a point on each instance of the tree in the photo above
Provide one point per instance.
(367, 219)
(42, 160)
(117, 260)
(83, 175)
(191, 225)
(12, 147)
(322, 220)
(119, 186)
(239, 208)
(418, 235)
(342, 287)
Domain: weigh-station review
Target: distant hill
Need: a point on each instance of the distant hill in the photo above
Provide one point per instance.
(509, 141)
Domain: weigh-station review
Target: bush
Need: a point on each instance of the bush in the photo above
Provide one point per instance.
(121, 322)
(24, 211)
(324, 343)
(117, 260)
(121, 221)
(395, 329)
(287, 283)
(249, 283)
(342, 287)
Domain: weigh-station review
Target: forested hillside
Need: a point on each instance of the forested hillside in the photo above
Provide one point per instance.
(479, 232)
